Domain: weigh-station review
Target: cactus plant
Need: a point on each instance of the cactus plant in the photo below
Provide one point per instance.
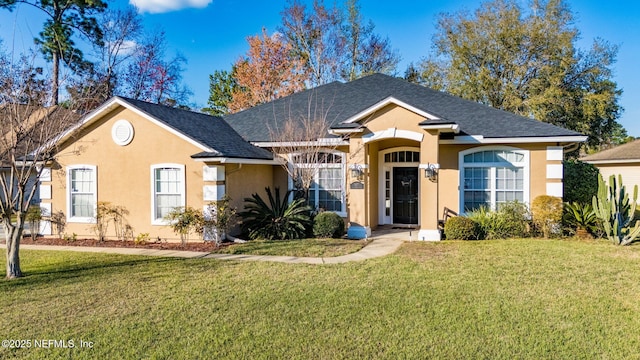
(613, 207)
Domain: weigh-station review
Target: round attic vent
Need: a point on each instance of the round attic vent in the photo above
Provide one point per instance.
(122, 132)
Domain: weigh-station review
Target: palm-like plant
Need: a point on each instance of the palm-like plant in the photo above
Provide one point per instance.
(582, 216)
(278, 219)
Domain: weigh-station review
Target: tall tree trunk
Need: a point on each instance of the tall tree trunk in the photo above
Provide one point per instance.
(13, 235)
(55, 80)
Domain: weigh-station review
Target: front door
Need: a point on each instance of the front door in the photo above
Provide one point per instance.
(405, 195)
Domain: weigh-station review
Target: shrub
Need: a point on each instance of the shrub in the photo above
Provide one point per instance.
(508, 222)
(184, 221)
(219, 218)
(106, 213)
(34, 217)
(277, 220)
(328, 224)
(580, 181)
(547, 214)
(142, 238)
(461, 228)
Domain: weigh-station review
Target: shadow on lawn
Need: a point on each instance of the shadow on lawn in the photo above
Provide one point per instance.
(63, 271)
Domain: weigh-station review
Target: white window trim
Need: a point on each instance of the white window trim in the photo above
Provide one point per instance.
(153, 168)
(343, 190)
(82, 219)
(525, 164)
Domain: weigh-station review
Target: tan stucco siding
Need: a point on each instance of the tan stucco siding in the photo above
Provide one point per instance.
(393, 116)
(372, 188)
(242, 181)
(124, 172)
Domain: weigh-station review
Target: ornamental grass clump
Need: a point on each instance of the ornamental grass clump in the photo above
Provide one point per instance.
(613, 207)
(509, 221)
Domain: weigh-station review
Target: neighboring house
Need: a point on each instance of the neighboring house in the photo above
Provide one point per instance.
(621, 160)
(21, 128)
(395, 154)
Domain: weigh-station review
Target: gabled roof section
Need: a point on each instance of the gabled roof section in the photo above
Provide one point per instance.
(389, 101)
(629, 152)
(211, 134)
(344, 103)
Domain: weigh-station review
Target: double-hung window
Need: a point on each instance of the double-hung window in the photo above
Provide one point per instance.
(82, 195)
(326, 172)
(168, 190)
(490, 177)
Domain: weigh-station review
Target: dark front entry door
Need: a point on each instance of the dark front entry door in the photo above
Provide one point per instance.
(405, 195)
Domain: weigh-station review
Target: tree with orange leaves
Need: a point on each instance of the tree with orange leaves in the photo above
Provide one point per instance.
(266, 72)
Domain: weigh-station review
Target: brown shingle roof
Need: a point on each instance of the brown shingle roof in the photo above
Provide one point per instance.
(624, 153)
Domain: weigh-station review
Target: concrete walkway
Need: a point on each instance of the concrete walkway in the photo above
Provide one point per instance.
(382, 243)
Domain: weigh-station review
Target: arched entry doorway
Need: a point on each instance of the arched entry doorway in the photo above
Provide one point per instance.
(399, 187)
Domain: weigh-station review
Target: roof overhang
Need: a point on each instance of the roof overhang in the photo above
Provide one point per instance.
(114, 103)
(346, 131)
(389, 101)
(611, 161)
(479, 139)
(226, 160)
(319, 142)
(445, 128)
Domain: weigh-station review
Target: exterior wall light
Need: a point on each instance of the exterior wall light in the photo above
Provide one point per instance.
(357, 171)
(431, 171)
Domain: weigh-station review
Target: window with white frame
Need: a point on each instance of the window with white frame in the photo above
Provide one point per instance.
(82, 195)
(493, 176)
(168, 190)
(328, 178)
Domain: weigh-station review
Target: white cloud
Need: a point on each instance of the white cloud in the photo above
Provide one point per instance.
(161, 6)
(126, 48)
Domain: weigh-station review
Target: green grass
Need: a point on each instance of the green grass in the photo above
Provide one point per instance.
(523, 299)
(300, 248)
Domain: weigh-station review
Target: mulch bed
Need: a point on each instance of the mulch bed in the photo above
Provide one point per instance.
(193, 245)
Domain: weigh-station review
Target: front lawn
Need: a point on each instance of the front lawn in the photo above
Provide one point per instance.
(505, 299)
(300, 248)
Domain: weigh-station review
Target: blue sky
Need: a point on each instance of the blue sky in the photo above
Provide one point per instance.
(211, 34)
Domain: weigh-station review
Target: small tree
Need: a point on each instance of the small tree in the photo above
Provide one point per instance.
(29, 134)
(101, 220)
(184, 221)
(223, 217)
(117, 214)
(303, 139)
(34, 217)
